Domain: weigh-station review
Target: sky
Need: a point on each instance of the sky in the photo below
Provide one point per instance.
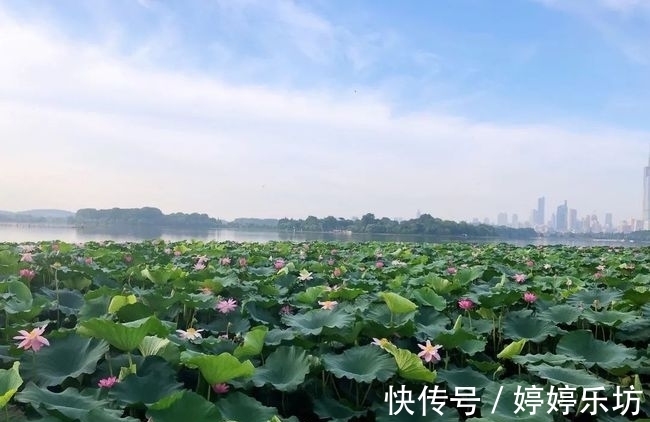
(287, 108)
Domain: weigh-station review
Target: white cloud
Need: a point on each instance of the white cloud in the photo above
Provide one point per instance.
(85, 127)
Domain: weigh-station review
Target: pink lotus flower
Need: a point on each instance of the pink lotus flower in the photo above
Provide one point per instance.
(222, 388)
(465, 304)
(88, 261)
(199, 266)
(226, 306)
(128, 259)
(452, 270)
(286, 310)
(530, 297)
(520, 278)
(224, 261)
(598, 275)
(334, 251)
(242, 262)
(429, 352)
(55, 247)
(32, 340)
(177, 253)
(168, 251)
(107, 382)
(328, 304)
(27, 274)
(337, 272)
(379, 264)
(206, 290)
(279, 264)
(26, 257)
(530, 263)
(330, 261)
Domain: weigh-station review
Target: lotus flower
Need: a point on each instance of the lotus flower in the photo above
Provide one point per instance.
(381, 342)
(305, 275)
(286, 310)
(330, 261)
(547, 266)
(279, 264)
(27, 274)
(429, 352)
(199, 266)
(530, 297)
(337, 272)
(26, 257)
(520, 278)
(221, 388)
(242, 262)
(379, 264)
(177, 253)
(224, 261)
(128, 259)
(465, 304)
(328, 304)
(88, 260)
(600, 268)
(452, 270)
(598, 275)
(226, 306)
(530, 263)
(32, 340)
(107, 382)
(190, 334)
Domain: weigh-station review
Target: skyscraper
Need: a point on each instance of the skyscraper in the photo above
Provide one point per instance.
(646, 197)
(562, 218)
(541, 204)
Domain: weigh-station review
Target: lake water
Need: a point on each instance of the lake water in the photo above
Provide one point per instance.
(33, 233)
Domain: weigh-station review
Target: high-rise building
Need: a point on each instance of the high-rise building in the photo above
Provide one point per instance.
(515, 220)
(646, 197)
(609, 222)
(562, 218)
(502, 219)
(573, 220)
(541, 204)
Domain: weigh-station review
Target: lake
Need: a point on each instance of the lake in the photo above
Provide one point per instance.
(33, 233)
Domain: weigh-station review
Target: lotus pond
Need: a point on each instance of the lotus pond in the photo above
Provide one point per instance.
(209, 332)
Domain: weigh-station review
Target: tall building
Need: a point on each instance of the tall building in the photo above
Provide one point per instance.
(646, 197)
(609, 222)
(515, 220)
(573, 220)
(502, 219)
(541, 204)
(562, 218)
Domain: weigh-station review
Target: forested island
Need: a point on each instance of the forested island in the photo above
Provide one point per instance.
(141, 217)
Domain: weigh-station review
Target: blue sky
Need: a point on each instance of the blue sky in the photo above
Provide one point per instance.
(459, 108)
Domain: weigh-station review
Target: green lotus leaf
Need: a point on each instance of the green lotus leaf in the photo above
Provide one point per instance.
(409, 365)
(398, 304)
(312, 322)
(67, 357)
(561, 314)
(240, 407)
(276, 336)
(120, 300)
(465, 377)
(361, 363)
(310, 295)
(217, 369)
(134, 312)
(512, 350)
(426, 296)
(346, 294)
(381, 314)
(125, 336)
(499, 299)
(10, 382)
(465, 276)
(582, 345)
(463, 340)
(635, 330)
(500, 404)
(608, 317)
(19, 297)
(155, 380)
(520, 326)
(430, 325)
(438, 284)
(162, 275)
(567, 376)
(550, 358)
(330, 408)
(102, 415)
(69, 302)
(8, 263)
(285, 369)
(151, 345)
(69, 403)
(253, 343)
(587, 297)
(185, 406)
(93, 307)
(260, 314)
(421, 411)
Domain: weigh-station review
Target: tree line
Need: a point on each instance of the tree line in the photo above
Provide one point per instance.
(147, 216)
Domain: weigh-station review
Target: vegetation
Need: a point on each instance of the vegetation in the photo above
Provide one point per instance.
(210, 332)
(423, 225)
(149, 217)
